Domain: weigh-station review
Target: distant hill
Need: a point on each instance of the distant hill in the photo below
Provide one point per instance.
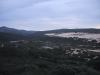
(89, 30)
(15, 34)
(15, 31)
(8, 34)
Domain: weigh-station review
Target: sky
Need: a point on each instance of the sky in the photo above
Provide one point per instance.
(50, 14)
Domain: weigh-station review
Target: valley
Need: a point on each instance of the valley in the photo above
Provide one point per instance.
(89, 36)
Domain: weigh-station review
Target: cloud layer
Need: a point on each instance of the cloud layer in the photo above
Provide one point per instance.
(50, 14)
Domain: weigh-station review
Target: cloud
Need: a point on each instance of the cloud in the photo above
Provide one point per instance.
(11, 5)
(49, 14)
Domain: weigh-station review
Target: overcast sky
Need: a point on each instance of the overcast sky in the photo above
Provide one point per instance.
(50, 14)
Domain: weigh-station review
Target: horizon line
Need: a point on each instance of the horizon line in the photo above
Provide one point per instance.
(46, 30)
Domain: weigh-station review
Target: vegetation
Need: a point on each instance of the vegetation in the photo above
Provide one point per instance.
(31, 58)
(38, 54)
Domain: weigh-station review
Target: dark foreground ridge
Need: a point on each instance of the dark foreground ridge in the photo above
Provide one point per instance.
(49, 56)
